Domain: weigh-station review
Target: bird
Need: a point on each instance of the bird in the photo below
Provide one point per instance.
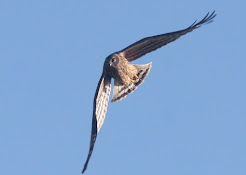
(127, 77)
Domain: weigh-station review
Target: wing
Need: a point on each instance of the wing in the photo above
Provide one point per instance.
(152, 43)
(100, 105)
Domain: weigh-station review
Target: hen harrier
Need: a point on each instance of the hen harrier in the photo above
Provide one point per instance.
(127, 77)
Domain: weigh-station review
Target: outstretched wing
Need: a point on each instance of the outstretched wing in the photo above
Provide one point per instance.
(152, 43)
(100, 105)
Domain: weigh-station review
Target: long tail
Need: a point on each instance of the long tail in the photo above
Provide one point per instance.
(121, 91)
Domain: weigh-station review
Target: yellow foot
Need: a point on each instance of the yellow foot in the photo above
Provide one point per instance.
(136, 77)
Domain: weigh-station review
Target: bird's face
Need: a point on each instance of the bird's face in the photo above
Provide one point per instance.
(111, 63)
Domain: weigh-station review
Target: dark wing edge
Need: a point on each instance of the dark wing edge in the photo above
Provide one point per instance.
(149, 44)
(100, 105)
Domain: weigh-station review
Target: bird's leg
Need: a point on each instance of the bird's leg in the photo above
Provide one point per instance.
(135, 77)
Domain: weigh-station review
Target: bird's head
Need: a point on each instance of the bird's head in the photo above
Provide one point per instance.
(111, 62)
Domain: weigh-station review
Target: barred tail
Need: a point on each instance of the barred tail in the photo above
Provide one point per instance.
(121, 91)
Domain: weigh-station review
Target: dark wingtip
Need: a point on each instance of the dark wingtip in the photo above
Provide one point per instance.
(206, 20)
(93, 140)
(85, 166)
(84, 169)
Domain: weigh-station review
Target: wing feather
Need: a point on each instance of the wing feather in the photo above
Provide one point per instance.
(100, 106)
(152, 43)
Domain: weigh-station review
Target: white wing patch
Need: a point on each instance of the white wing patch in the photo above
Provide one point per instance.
(100, 106)
(102, 102)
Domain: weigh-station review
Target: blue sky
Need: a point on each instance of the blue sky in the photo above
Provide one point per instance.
(189, 117)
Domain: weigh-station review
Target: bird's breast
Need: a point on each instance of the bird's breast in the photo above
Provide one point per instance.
(124, 74)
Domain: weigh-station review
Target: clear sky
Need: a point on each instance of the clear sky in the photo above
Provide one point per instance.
(188, 118)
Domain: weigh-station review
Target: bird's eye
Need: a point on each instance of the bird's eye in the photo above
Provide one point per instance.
(113, 60)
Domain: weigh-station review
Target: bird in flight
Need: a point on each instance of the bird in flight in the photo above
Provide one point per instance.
(127, 77)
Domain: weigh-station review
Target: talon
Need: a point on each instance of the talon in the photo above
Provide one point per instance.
(136, 77)
(133, 81)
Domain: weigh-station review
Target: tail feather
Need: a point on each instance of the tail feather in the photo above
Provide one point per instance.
(121, 91)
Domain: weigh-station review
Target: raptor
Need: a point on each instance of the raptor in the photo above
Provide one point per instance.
(127, 77)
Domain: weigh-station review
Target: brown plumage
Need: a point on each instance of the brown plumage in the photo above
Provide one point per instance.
(128, 77)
